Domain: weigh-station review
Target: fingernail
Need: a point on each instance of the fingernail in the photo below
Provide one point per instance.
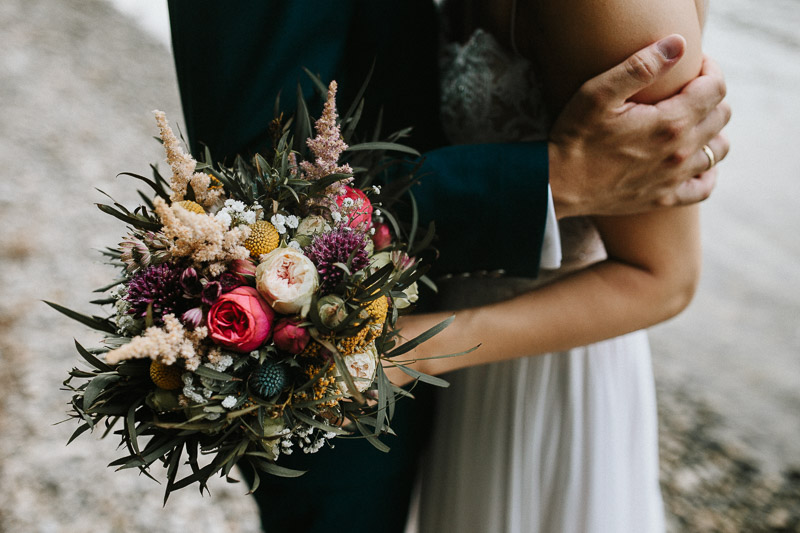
(670, 47)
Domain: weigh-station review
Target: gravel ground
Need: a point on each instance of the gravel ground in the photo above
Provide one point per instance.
(77, 83)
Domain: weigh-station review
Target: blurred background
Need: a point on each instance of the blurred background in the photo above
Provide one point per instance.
(78, 81)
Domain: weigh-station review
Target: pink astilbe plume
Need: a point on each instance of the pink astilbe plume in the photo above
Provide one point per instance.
(327, 146)
(183, 165)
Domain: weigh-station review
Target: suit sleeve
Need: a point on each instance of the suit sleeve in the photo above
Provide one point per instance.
(489, 202)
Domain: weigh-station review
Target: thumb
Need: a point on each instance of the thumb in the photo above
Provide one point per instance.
(639, 71)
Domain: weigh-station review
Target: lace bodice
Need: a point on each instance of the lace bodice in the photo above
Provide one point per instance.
(489, 94)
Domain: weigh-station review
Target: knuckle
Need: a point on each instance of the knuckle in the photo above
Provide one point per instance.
(679, 157)
(673, 129)
(640, 68)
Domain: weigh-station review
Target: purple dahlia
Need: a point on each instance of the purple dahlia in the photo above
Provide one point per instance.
(337, 246)
(160, 286)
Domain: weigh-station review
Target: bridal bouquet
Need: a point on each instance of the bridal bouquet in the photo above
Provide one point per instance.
(256, 305)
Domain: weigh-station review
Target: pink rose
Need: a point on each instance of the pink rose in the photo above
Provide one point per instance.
(356, 208)
(240, 320)
(382, 237)
(289, 336)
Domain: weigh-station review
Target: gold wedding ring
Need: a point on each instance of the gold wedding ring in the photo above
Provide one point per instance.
(710, 155)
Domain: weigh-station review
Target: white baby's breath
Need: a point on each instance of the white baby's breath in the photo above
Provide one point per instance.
(229, 402)
(224, 217)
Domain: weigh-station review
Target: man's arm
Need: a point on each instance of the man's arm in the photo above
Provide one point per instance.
(612, 156)
(232, 60)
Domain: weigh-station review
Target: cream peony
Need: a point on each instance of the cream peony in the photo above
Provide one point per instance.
(287, 280)
(362, 367)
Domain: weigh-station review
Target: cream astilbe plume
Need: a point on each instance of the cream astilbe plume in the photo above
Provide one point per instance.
(202, 237)
(164, 344)
(327, 146)
(183, 165)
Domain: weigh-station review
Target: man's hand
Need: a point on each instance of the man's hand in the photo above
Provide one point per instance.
(612, 156)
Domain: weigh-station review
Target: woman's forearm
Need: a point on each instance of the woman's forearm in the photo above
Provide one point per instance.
(604, 301)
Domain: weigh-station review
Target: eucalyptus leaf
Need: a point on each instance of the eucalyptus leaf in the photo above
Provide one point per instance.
(276, 470)
(206, 372)
(94, 322)
(431, 380)
(96, 387)
(92, 360)
(422, 337)
(383, 146)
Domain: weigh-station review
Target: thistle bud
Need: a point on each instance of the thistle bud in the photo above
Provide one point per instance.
(211, 292)
(193, 317)
(190, 282)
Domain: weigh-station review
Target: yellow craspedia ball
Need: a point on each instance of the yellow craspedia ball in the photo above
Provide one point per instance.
(191, 206)
(167, 377)
(378, 308)
(262, 240)
(354, 344)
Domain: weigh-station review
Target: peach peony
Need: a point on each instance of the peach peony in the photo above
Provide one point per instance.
(287, 279)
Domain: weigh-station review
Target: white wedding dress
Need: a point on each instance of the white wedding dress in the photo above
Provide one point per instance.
(559, 443)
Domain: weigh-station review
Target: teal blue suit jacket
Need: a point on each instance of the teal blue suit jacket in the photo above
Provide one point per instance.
(489, 201)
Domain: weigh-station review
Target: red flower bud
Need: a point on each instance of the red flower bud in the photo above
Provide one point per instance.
(289, 336)
(382, 237)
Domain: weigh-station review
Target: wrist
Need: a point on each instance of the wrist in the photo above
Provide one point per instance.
(566, 201)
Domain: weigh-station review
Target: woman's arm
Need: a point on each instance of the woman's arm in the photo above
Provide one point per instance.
(654, 259)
